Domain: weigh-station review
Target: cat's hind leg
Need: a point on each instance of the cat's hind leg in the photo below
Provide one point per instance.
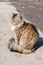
(17, 48)
(12, 46)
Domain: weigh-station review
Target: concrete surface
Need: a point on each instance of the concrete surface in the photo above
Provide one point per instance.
(31, 11)
(22, 0)
(12, 58)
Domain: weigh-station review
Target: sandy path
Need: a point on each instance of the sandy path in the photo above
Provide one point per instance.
(12, 58)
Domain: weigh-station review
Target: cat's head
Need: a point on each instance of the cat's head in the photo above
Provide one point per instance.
(16, 19)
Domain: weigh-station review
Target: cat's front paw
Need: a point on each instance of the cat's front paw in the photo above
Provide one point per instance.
(10, 44)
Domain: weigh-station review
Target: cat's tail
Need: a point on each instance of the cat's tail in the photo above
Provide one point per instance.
(18, 48)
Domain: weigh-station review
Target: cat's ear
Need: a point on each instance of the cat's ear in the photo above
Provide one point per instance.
(14, 15)
(21, 17)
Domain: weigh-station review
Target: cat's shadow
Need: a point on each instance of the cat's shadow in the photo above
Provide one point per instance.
(39, 43)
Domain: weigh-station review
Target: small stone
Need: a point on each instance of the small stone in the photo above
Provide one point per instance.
(23, 7)
(19, 3)
(39, 16)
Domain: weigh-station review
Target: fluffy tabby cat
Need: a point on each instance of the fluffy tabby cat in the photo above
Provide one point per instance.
(25, 35)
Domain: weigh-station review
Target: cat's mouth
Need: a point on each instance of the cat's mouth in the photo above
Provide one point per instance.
(13, 27)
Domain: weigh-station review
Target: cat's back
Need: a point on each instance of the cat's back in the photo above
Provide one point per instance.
(29, 36)
(28, 27)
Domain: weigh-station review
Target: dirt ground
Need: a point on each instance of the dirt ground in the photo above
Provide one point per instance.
(13, 58)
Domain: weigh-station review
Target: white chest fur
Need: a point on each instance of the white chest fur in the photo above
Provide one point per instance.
(13, 28)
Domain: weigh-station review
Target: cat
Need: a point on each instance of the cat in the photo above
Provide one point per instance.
(25, 35)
